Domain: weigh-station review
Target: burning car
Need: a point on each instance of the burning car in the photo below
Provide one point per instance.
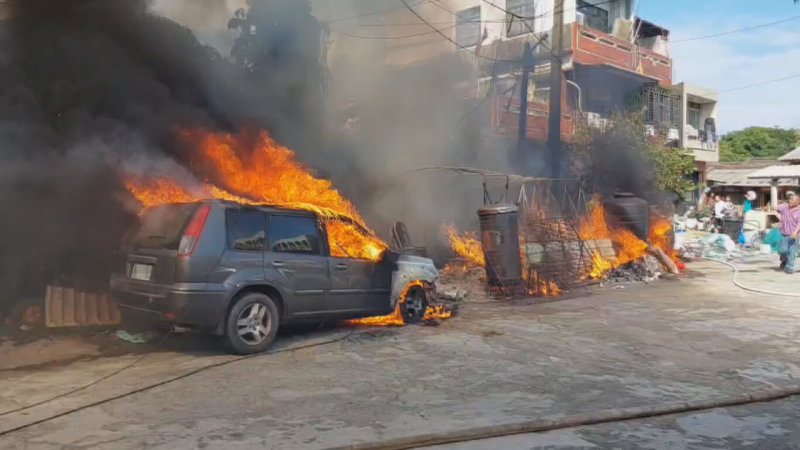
(242, 270)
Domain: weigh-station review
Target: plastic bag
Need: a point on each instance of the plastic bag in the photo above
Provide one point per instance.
(773, 238)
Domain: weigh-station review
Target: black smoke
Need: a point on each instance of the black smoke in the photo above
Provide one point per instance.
(90, 87)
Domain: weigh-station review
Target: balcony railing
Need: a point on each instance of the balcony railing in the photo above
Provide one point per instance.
(594, 47)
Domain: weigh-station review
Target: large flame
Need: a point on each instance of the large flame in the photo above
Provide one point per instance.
(260, 171)
(628, 246)
(396, 317)
(465, 244)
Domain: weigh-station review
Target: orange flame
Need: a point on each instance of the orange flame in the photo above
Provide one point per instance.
(396, 317)
(660, 228)
(629, 247)
(594, 226)
(465, 245)
(261, 171)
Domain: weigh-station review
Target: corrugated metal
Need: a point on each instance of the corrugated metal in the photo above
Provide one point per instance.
(739, 177)
(792, 171)
(66, 307)
(793, 155)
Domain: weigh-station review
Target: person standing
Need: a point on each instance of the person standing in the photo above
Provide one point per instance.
(790, 228)
(719, 212)
(749, 198)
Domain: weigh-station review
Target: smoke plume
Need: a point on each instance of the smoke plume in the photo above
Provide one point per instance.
(92, 88)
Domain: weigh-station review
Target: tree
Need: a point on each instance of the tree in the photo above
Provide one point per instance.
(758, 142)
(621, 156)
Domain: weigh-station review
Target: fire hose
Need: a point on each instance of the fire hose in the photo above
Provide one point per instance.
(149, 386)
(738, 284)
(600, 417)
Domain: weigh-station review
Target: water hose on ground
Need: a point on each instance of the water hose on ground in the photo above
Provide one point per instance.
(600, 417)
(748, 288)
(607, 416)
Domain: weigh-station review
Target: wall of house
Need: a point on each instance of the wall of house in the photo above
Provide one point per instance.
(709, 106)
(415, 41)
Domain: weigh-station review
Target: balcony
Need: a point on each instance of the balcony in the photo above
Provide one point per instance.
(647, 56)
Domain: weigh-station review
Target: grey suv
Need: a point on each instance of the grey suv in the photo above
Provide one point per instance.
(241, 271)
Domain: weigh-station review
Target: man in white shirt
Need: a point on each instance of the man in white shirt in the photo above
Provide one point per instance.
(720, 207)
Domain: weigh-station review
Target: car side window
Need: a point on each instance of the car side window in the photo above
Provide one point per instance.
(246, 230)
(294, 234)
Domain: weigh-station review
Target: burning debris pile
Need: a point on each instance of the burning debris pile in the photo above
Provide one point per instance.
(560, 247)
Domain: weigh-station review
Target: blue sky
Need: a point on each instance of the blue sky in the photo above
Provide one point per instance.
(736, 59)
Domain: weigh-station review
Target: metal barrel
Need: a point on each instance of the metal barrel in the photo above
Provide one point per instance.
(500, 243)
(628, 211)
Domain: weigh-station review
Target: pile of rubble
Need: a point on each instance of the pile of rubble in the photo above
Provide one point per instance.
(645, 269)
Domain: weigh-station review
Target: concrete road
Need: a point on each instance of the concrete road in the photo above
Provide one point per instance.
(695, 338)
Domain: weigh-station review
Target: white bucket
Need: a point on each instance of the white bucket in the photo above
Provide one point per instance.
(765, 249)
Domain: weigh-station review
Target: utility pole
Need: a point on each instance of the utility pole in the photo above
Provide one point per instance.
(554, 117)
(522, 126)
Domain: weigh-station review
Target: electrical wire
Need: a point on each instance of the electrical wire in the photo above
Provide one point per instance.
(85, 386)
(155, 385)
(552, 11)
(725, 33)
(412, 35)
(489, 89)
(761, 83)
(342, 19)
(446, 37)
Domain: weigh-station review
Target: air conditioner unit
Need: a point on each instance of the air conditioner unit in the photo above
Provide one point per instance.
(580, 18)
(672, 134)
(593, 119)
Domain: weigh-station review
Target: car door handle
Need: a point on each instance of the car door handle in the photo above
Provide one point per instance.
(341, 266)
(277, 263)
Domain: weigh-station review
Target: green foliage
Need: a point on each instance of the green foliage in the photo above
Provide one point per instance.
(757, 142)
(672, 168)
(622, 157)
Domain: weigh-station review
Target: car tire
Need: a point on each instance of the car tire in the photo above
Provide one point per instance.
(414, 305)
(252, 323)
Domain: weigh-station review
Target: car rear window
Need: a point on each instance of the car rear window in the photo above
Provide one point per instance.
(161, 226)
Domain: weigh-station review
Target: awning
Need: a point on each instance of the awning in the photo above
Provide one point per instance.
(792, 171)
(740, 178)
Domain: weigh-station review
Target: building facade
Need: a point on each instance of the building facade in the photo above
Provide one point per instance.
(609, 56)
(698, 121)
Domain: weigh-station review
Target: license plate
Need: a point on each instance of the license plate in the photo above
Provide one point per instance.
(141, 271)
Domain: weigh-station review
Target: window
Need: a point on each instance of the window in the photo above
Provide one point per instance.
(161, 226)
(596, 17)
(468, 26)
(294, 234)
(246, 230)
(524, 8)
(693, 112)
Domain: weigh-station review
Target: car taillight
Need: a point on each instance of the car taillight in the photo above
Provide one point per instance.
(193, 231)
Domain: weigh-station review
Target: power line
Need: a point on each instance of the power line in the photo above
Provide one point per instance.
(724, 33)
(530, 29)
(342, 19)
(446, 37)
(406, 36)
(489, 89)
(761, 83)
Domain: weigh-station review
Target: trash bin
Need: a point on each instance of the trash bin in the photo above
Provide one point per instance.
(732, 227)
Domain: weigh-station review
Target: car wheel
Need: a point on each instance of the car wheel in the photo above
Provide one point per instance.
(252, 324)
(413, 307)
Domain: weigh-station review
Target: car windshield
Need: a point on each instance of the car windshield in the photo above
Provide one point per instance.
(160, 226)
